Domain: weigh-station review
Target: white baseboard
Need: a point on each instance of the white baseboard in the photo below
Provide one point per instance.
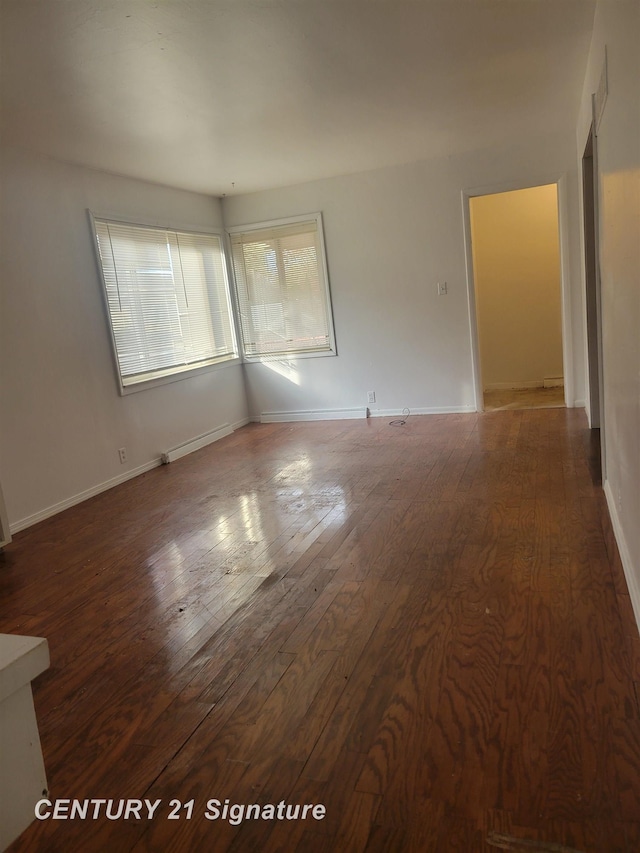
(554, 382)
(54, 509)
(196, 443)
(238, 424)
(429, 410)
(312, 415)
(633, 582)
(549, 382)
(514, 386)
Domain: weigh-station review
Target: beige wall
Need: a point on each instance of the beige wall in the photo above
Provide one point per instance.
(516, 262)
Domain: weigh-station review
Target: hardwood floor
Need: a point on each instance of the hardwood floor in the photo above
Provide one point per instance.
(523, 398)
(426, 629)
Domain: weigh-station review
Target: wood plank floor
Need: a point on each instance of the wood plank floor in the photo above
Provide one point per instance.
(523, 398)
(424, 628)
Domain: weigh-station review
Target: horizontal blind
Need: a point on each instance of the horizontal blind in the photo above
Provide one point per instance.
(168, 299)
(282, 294)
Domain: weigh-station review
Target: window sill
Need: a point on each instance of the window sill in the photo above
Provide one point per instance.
(186, 373)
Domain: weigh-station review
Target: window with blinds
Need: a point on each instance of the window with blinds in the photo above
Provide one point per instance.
(167, 297)
(282, 288)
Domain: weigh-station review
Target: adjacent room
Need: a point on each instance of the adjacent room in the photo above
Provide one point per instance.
(517, 288)
(319, 435)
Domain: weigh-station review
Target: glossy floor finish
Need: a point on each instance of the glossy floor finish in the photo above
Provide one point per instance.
(425, 628)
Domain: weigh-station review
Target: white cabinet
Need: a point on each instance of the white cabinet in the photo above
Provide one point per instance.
(22, 777)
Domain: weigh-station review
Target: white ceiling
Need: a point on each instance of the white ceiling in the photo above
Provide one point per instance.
(229, 96)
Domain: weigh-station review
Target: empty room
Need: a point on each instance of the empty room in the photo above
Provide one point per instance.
(293, 554)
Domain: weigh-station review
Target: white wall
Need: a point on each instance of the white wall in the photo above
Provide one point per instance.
(617, 25)
(391, 235)
(516, 267)
(62, 418)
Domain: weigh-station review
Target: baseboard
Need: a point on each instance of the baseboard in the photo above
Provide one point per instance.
(514, 386)
(550, 382)
(197, 443)
(429, 410)
(54, 509)
(312, 415)
(625, 557)
(238, 424)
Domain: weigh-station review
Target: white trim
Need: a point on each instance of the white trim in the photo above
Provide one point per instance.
(177, 375)
(316, 217)
(54, 509)
(173, 374)
(625, 557)
(579, 404)
(476, 370)
(565, 290)
(519, 385)
(511, 186)
(239, 424)
(196, 443)
(428, 410)
(312, 415)
(288, 356)
(275, 223)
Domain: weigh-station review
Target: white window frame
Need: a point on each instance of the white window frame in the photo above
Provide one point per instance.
(287, 355)
(176, 373)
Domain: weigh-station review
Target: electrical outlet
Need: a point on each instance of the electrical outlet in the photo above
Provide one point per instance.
(371, 397)
(442, 288)
(122, 453)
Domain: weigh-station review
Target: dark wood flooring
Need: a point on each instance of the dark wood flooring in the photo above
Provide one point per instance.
(425, 628)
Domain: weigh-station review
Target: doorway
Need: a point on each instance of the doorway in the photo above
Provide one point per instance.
(595, 405)
(515, 248)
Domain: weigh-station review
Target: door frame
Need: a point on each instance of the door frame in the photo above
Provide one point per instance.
(563, 239)
(5, 533)
(592, 290)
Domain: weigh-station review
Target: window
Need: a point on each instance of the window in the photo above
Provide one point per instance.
(168, 300)
(282, 288)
